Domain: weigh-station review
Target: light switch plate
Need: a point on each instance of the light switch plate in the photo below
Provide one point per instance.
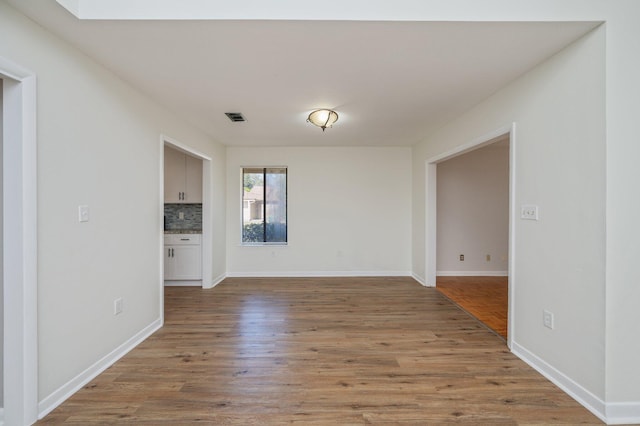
(83, 213)
(529, 212)
(547, 319)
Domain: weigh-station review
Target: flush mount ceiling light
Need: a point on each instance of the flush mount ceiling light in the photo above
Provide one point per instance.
(323, 118)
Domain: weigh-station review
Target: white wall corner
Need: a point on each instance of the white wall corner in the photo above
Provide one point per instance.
(65, 391)
(72, 6)
(583, 396)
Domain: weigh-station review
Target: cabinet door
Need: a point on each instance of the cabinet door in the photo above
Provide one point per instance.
(169, 264)
(174, 175)
(193, 187)
(188, 262)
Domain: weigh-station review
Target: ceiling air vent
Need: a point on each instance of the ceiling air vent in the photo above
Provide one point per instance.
(235, 116)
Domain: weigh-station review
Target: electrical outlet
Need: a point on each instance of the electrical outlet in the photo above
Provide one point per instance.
(488, 258)
(547, 319)
(181, 215)
(117, 306)
(529, 212)
(462, 258)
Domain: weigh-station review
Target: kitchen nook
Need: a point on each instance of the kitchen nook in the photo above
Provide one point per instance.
(182, 219)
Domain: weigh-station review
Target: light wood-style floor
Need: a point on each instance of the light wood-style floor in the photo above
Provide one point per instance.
(486, 298)
(331, 351)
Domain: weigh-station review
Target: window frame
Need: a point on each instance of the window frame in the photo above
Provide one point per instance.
(242, 202)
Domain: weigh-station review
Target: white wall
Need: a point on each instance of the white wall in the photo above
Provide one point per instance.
(618, 297)
(623, 228)
(218, 195)
(98, 144)
(1, 252)
(473, 212)
(349, 212)
(558, 108)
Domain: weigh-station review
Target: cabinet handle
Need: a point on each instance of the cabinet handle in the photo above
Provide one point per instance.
(168, 252)
(172, 253)
(185, 239)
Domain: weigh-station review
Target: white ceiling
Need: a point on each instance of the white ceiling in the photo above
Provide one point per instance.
(390, 82)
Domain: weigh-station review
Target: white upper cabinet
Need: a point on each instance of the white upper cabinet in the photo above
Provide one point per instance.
(193, 186)
(182, 177)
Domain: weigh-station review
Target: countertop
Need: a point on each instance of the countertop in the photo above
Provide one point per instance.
(183, 231)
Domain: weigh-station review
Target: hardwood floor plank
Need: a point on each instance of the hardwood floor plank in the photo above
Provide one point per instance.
(322, 351)
(486, 298)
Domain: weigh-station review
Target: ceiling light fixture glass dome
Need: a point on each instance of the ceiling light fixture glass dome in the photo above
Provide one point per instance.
(323, 118)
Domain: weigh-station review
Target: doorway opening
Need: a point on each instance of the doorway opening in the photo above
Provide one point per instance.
(203, 207)
(469, 212)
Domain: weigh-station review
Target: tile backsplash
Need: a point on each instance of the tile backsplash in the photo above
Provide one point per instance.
(192, 220)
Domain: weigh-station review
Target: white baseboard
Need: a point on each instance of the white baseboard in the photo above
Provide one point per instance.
(183, 283)
(217, 280)
(194, 283)
(620, 413)
(472, 273)
(58, 396)
(312, 274)
(576, 391)
(421, 280)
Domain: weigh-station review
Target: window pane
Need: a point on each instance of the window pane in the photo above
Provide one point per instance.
(276, 205)
(253, 206)
(264, 205)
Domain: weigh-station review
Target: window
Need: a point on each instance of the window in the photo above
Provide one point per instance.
(264, 205)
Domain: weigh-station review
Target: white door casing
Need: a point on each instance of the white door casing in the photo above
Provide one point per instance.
(20, 235)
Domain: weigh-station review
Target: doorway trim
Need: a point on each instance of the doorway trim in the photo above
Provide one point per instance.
(207, 211)
(431, 209)
(20, 283)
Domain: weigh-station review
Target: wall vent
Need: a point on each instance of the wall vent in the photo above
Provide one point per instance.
(235, 116)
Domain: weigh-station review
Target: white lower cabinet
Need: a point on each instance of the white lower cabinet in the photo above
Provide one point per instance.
(182, 257)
